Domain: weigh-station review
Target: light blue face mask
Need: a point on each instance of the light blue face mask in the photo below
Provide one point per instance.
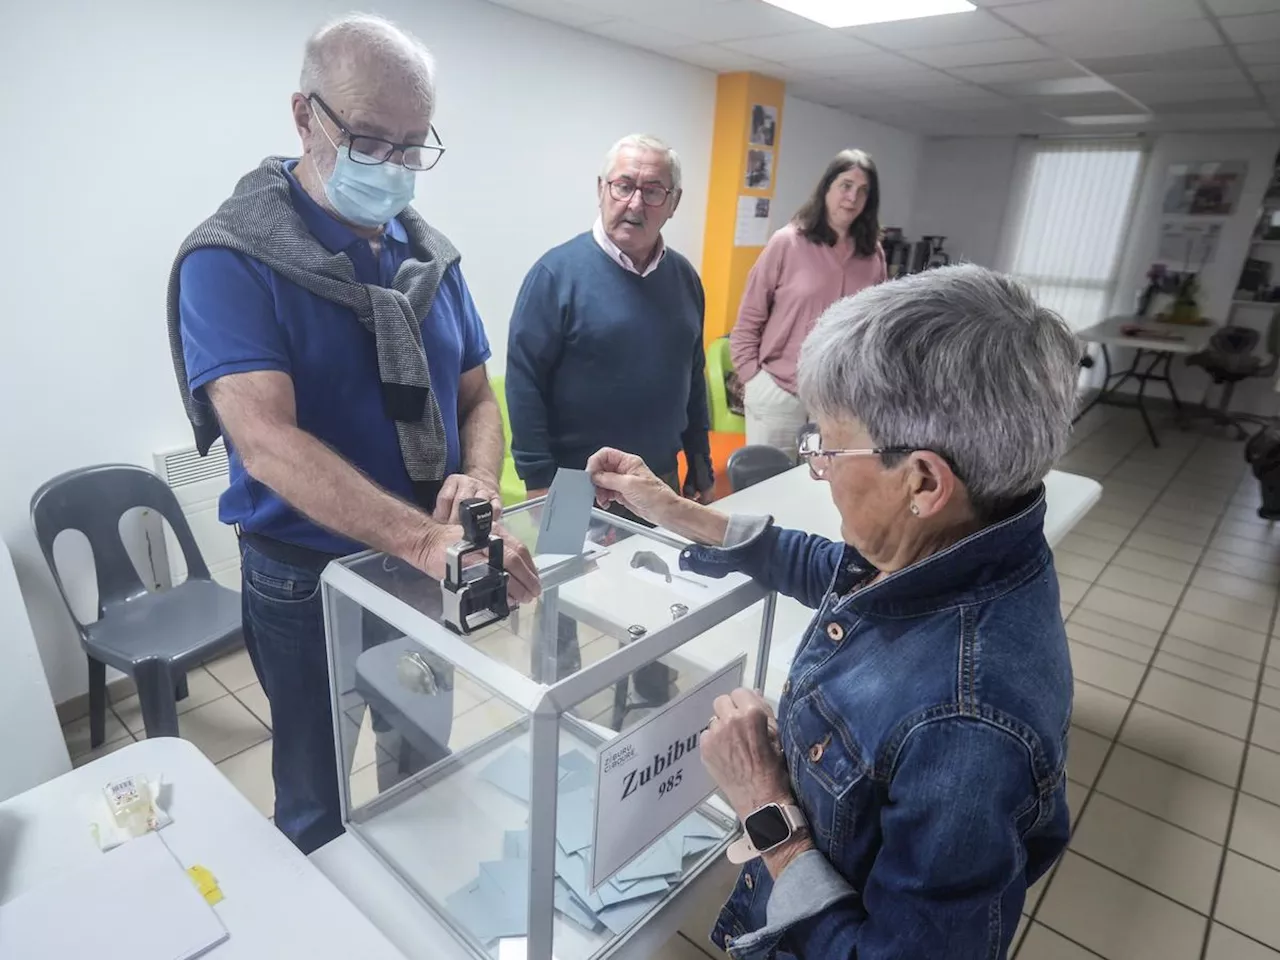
(366, 194)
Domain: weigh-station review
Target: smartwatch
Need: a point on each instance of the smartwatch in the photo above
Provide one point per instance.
(766, 828)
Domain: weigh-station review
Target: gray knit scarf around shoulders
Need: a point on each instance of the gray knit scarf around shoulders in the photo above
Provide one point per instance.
(259, 221)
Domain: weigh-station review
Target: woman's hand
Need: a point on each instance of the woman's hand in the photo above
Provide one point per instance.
(741, 752)
(623, 478)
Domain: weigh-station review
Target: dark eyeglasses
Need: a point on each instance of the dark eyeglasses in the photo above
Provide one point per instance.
(651, 194)
(372, 151)
(819, 459)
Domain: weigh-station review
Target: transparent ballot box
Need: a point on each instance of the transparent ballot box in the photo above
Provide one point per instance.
(538, 779)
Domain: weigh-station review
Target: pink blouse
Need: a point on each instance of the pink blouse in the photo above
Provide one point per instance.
(790, 286)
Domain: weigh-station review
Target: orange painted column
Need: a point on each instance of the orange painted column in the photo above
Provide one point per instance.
(744, 171)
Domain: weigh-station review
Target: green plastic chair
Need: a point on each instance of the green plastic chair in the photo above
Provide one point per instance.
(510, 486)
(723, 420)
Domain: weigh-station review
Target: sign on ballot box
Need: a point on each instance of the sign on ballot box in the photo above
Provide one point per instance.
(651, 777)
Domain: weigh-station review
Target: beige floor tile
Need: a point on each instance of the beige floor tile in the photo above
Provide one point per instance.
(1088, 546)
(1271, 677)
(76, 734)
(1101, 530)
(1255, 831)
(1117, 918)
(678, 948)
(201, 689)
(234, 670)
(1106, 670)
(480, 722)
(1209, 676)
(1065, 609)
(1087, 636)
(1019, 932)
(1266, 728)
(1194, 701)
(1208, 632)
(1097, 710)
(1254, 529)
(1070, 589)
(1035, 892)
(1232, 585)
(1270, 696)
(255, 698)
(1074, 565)
(1198, 536)
(1242, 566)
(1266, 552)
(1041, 943)
(1262, 773)
(1173, 511)
(1085, 755)
(1226, 944)
(102, 751)
(250, 773)
(1117, 628)
(1182, 798)
(1141, 585)
(1122, 606)
(1250, 616)
(1247, 899)
(1184, 744)
(1158, 855)
(1217, 659)
(222, 728)
(1164, 546)
(1175, 571)
(1076, 796)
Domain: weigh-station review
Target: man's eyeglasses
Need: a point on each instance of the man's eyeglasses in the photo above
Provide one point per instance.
(372, 151)
(651, 194)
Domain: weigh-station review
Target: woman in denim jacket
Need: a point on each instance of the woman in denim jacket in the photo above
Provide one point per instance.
(921, 734)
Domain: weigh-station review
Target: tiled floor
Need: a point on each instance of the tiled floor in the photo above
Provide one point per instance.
(1169, 590)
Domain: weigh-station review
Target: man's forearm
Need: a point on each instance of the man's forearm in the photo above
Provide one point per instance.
(481, 437)
(323, 486)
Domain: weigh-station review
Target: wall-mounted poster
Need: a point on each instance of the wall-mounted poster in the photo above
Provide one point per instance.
(752, 226)
(1210, 189)
(759, 169)
(1188, 246)
(764, 124)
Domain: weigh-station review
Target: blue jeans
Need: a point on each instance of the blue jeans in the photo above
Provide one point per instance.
(284, 633)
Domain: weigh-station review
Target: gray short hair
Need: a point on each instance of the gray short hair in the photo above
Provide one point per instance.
(643, 141)
(360, 41)
(959, 360)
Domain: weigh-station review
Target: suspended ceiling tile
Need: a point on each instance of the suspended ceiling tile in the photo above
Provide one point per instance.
(864, 64)
(1155, 93)
(1184, 78)
(1201, 58)
(991, 51)
(1069, 86)
(1259, 52)
(1231, 8)
(638, 34)
(733, 20)
(972, 27)
(1252, 29)
(1067, 16)
(1264, 73)
(807, 44)
(558, 11)
(1156, 39)
(720, 59)
(1030, 71)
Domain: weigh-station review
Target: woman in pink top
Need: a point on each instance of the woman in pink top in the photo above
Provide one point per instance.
(830, 250)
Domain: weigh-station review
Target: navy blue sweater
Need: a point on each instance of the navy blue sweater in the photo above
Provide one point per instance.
(598, 356)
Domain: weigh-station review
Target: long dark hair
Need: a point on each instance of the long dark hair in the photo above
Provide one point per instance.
(811, 220)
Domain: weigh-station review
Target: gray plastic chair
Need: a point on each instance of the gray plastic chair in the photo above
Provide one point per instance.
(751, 464)
(153, 637)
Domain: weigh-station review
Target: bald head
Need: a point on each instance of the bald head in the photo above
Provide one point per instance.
(372, 57)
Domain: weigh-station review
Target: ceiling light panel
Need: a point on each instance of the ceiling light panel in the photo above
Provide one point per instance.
(854, 13)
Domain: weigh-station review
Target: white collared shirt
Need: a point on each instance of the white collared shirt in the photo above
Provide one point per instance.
(620, 258)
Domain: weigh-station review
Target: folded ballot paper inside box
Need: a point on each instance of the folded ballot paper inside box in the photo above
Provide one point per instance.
(494, 905)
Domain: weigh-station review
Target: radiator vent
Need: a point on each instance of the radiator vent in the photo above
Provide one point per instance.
(198, 482)
(185, 466)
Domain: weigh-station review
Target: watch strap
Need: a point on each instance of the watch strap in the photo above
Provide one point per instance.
(743, 850)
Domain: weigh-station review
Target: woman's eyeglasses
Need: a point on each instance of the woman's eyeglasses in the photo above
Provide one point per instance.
(819, 459)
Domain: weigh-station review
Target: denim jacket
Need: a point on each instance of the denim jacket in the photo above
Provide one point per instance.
(924, 722)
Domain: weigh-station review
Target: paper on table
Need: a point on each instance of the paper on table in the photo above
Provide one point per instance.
(135, 901)
(566, 514)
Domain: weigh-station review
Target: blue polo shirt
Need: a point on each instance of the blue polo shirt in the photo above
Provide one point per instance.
(239, 316)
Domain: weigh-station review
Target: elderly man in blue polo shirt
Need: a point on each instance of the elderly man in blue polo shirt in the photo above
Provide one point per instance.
(324, 328)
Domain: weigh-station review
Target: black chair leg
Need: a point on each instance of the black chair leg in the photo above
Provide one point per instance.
(97, 702)
(156, 687)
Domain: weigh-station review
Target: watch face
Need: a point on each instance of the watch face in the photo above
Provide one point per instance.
(767, 828)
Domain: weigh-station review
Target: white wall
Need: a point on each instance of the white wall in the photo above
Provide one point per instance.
(136, 119)
(963, 194)
(813, 134)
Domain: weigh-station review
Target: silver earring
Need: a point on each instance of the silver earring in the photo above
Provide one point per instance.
(915, 510)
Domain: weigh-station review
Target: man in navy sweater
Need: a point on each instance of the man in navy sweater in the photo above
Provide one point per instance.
(605, 346)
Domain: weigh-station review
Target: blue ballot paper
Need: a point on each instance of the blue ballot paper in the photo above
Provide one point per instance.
(515, 845)
(575, 813)
(622, 916)
(509, 772)
(566, 514)
(568, 903)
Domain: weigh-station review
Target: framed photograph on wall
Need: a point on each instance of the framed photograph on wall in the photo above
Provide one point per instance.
(759, 169)
(1207, 189)
(764, 125)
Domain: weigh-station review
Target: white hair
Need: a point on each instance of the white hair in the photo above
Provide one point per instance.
(643, 141)
(958, 360)
(370, 47)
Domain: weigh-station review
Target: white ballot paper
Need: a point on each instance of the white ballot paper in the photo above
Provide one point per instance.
(566, 514)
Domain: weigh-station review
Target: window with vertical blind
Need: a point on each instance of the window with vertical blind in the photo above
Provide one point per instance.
(1068, 222)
